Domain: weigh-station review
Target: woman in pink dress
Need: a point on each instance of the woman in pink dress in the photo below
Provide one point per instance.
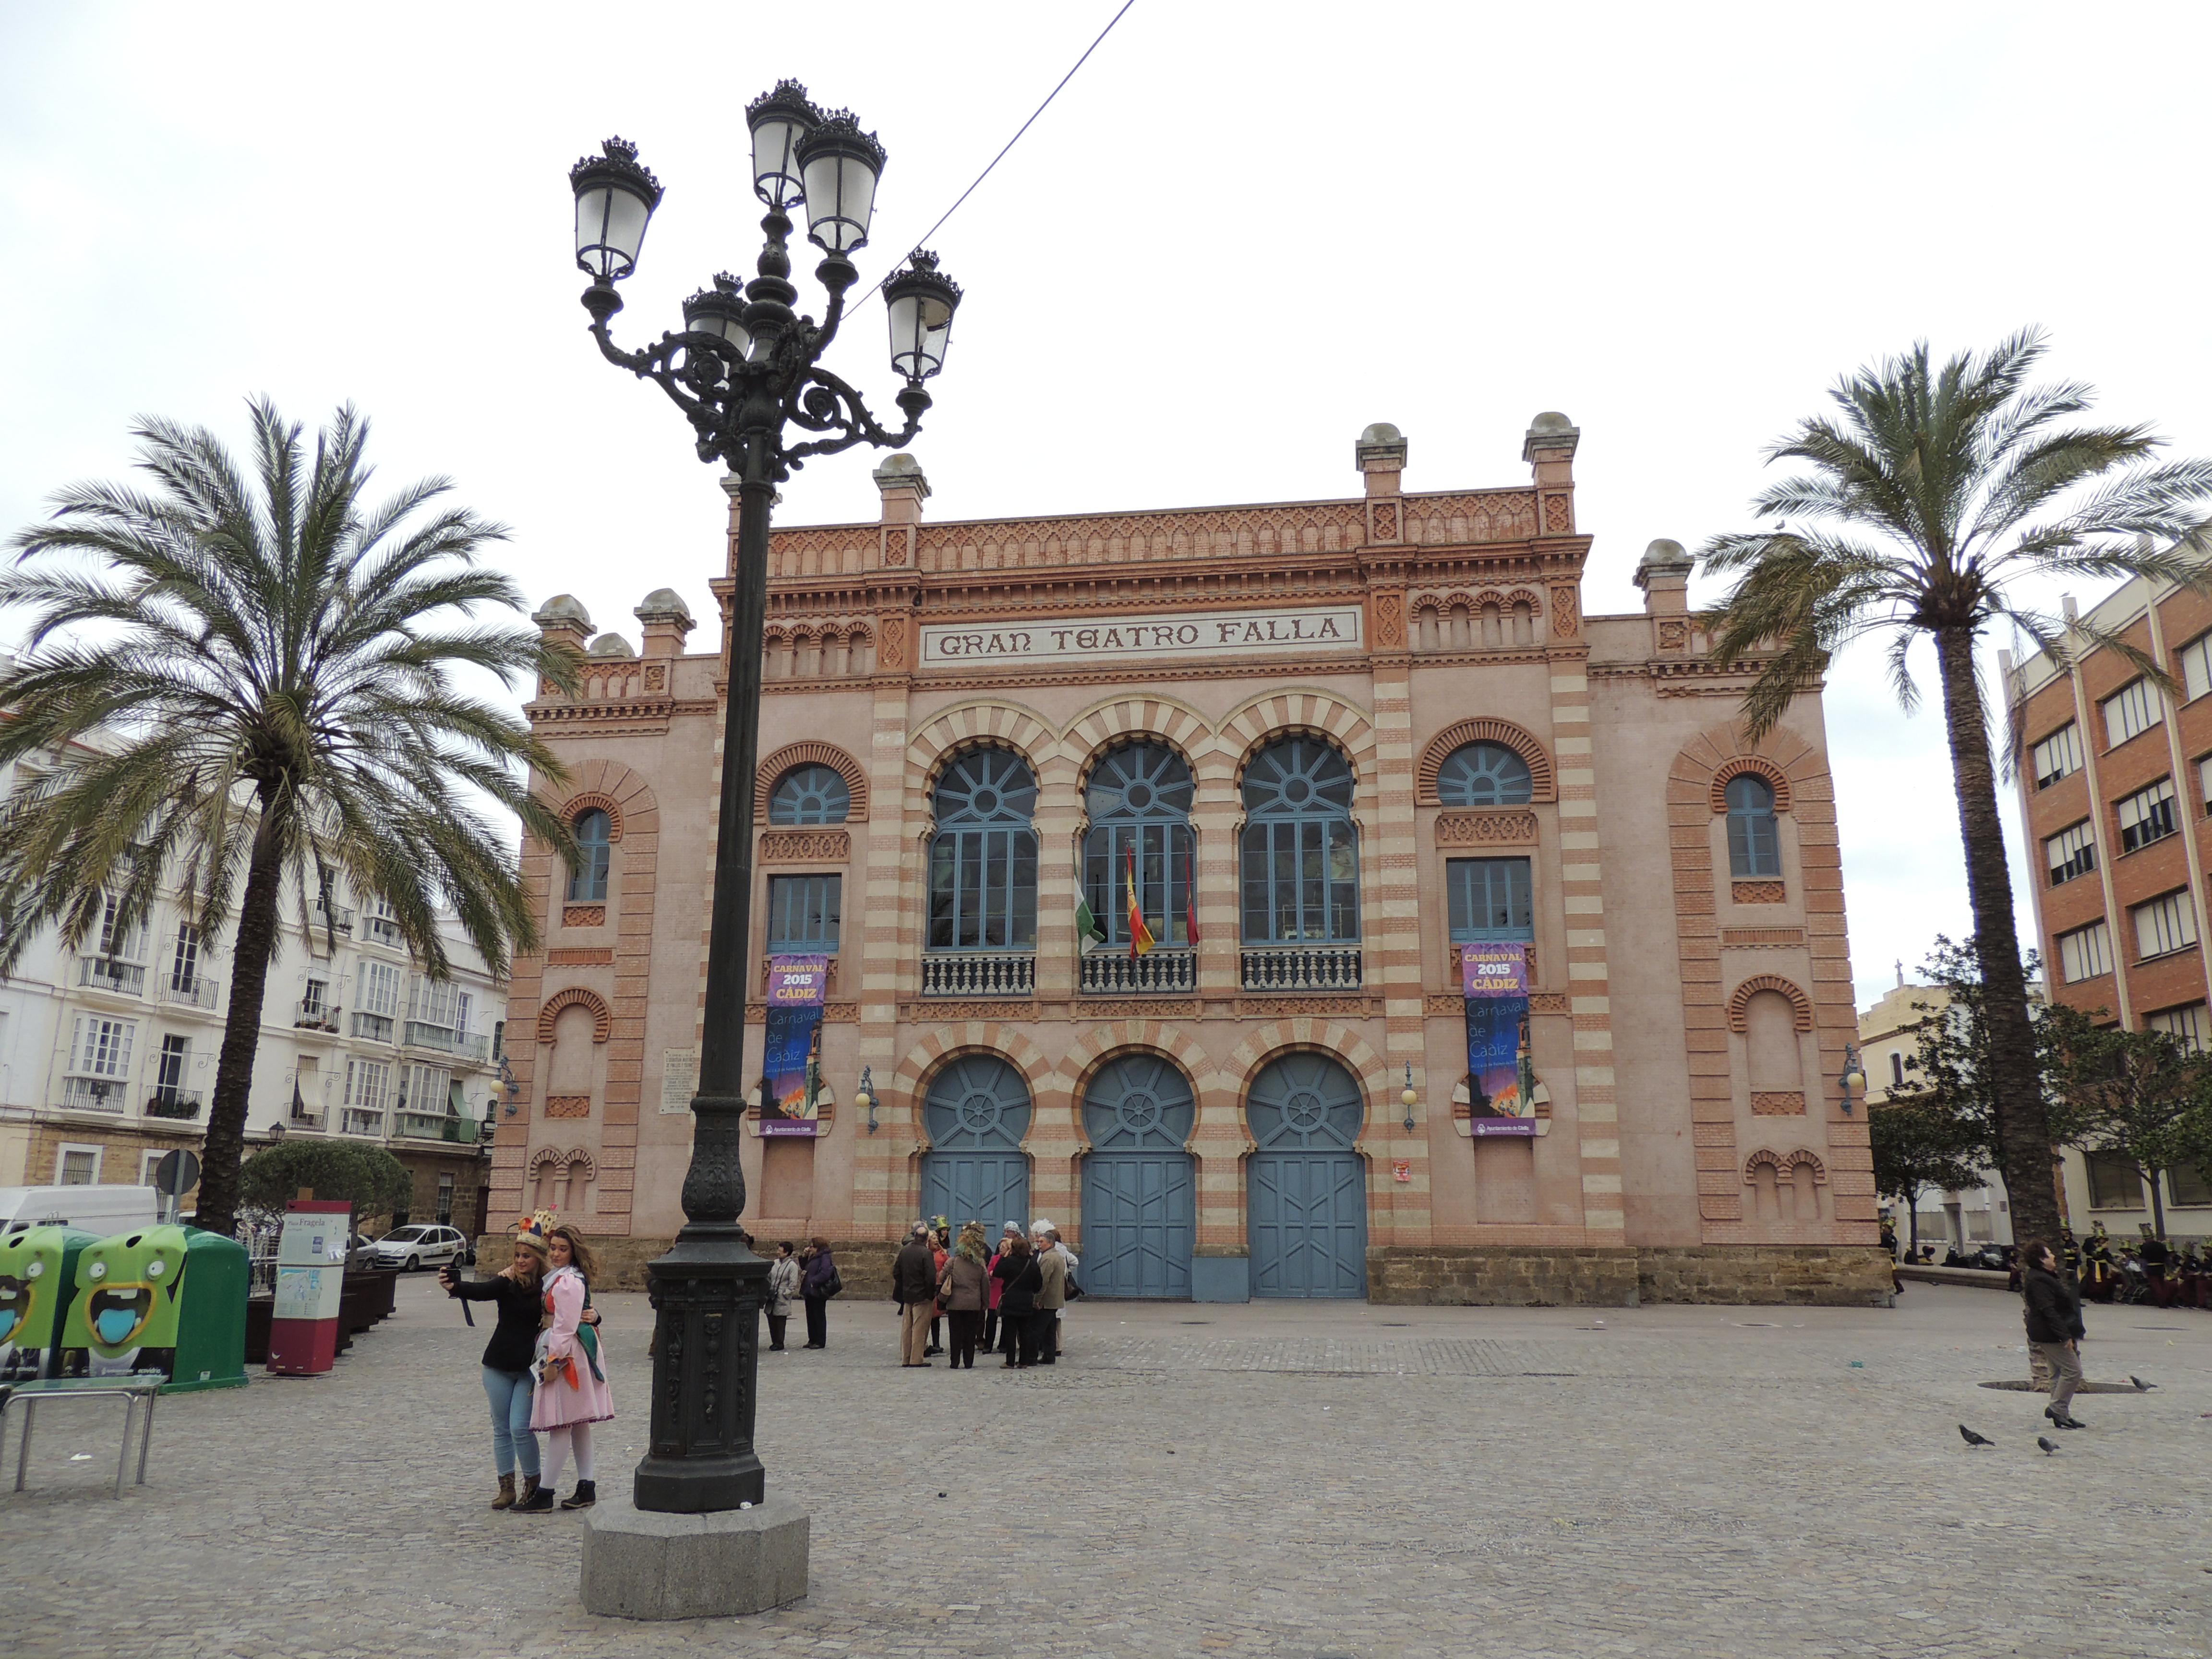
(572, 1386)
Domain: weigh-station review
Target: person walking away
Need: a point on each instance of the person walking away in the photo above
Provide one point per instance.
(914, 1287)
(965, 1290)
(991, 1345)
(1072, 1261)
(572, 1383)
(1051, 1294)
(818, 1280)
(782, 1285)
(940, 1251)
(2053, 1312)
(506, 1358)
(1020, 1280)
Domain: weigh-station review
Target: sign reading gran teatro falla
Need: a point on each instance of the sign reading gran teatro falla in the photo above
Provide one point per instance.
(1171, 633)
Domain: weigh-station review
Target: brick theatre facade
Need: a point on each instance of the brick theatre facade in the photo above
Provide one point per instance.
(1331, 742)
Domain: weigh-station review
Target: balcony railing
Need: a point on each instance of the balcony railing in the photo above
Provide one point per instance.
(382, 930)
(305, 1117)
(1111, 973)
(359, 1121)
(1302, 968)
(477, 1049)
(338, 918)
(438, 1037)
(316, 1017)
(979, 974)
(377, 1027)
(197, 991)
(106, 974)
(94, 1094)
(173, 1102)
(456, 1128)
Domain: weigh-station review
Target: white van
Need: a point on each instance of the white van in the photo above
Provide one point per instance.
(102, 1210)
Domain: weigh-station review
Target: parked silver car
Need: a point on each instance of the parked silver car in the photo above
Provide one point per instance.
(420, 1245)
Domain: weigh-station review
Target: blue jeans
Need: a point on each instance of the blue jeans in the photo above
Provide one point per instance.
(512, 1442)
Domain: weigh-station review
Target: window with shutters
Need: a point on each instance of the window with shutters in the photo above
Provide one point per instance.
(120, 943)
(804, 915)
(588, 881)
(1754, 842)
(1489, 899)
(1139, 801)
(2165, 925)
(185, 961)
(983, 859)
(2132, 710)
(2058, 756)
(1300, 857)
(2196, 660)
(2085, 953)
(367, 1085)
(2070, 853)
(2187, 1025)
(2146, 816)
(376, 1001)
(102, 1048)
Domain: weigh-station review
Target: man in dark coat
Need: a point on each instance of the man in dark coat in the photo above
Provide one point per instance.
(914, 1285)
(2053, 1312)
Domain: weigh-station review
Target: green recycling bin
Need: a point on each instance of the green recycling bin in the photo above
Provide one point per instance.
(38, 1282)
(165, 1299)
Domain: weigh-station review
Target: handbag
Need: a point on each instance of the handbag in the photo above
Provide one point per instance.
(837, 1285)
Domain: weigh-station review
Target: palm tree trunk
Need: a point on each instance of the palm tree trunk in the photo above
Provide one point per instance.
(2023, 1132)
(241, 1032)
(2157, 1203)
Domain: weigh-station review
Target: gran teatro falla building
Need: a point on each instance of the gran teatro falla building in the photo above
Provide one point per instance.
(1331, 744)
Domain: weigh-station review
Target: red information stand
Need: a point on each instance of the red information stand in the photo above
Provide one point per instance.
(311, 1262)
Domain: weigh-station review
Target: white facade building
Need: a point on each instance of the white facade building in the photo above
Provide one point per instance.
(1889, 1045)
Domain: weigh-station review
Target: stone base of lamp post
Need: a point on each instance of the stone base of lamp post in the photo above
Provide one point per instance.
(641, 1564)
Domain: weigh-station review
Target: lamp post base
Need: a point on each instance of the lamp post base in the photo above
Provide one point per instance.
(707, 1293)
(640, 1564)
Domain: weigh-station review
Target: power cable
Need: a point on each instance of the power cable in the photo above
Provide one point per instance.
(921, 239)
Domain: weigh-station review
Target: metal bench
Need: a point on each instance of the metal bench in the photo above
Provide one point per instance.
(130, 1389)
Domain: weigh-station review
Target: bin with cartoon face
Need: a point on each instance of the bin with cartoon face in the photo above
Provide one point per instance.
(38, 1282)
(165, 1299)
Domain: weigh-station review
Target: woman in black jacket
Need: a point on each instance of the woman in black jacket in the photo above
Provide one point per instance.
(519, 1291)
(2053, 1312)
(1016, 1270)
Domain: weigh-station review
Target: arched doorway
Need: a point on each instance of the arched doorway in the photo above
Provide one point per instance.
(1305, 1190)
(1139, 1206)
(976, 1113)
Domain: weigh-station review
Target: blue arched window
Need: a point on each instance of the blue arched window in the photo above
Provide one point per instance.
(1300, 856)
(1139, 802)
(810, 794)
(1754, 844)
(983, 860)
(1483, 774)
(587, 879)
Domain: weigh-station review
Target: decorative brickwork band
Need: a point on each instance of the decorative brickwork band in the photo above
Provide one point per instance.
(1759, 892)
(583, 916)
(1566, 609)
(805, 846)
(1739, 1020)
(603, 1019)
(1758, 766)
(811, 754)
(594, 800)
(568, 1106)
(1541, 783)
(580, 956)
(1777, 1103)
(1493, 827)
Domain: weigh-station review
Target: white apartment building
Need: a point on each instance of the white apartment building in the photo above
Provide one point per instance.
(1889, 1044)
(108, 1053)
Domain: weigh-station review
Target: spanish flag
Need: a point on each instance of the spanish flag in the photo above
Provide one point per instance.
(1140, 937)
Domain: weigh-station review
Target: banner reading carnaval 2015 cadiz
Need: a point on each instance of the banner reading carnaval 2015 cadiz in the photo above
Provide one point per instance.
(1494, 978)
(797, 988)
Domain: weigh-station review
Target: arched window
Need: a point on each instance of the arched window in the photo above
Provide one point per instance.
(1754, 847)
(588, 881)
(1301, 853)
(983, 859)
(1484, 774)
(1139, 801)
(810, 794)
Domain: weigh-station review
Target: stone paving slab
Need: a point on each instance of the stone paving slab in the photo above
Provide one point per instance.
(1281, 1481)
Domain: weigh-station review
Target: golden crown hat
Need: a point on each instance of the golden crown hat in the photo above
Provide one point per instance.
(535, 1230)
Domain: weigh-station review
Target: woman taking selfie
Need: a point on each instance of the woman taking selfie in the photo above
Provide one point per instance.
(518, 1289)
(572, 1385)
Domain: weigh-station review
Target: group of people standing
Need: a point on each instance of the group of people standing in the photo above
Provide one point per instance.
(807, 1275)
(542, 1369)
(1010, 1299)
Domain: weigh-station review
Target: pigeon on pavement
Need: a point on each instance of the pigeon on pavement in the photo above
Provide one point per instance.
(2046, 1443)
(2140, 1386)
(1973, 1439)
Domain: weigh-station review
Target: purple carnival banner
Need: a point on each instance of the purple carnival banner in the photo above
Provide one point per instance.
(1494, 978)
(792, 1049)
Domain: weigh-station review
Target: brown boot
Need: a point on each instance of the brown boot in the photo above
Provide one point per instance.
(505, 1498)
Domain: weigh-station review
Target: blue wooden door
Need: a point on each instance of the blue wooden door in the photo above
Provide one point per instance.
(1140, 1205)
(1305, 1188)
(976, 1113)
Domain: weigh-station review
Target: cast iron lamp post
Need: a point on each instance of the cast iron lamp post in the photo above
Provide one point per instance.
(743, 368)
(1854, 1074)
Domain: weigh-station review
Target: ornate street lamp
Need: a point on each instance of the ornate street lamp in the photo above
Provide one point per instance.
(1854, 1075)
(744, 368)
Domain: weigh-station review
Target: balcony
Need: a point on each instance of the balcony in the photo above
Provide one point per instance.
(331, 917)
(377, 1027)
(125, 979)
(382, 930)
(1111, 973)
(1303, 967)
(182, 1103)
(195, 992)
(979, 974)
(359, 1121)
(453, 1128)
(438, 1038)
(316, 1017)
(305, 1117)
(93, 1094)
(475, 1049)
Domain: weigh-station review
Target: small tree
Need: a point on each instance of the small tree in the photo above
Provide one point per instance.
(2136, 1095)
(369, 1178)
(1920, 1143)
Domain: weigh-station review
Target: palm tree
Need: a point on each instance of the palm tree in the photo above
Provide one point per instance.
(1933, 494)
(246, 680)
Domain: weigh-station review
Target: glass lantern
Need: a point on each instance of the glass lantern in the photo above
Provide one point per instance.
(920, 301)
(615, 198)
(840, 165)
(779, 119)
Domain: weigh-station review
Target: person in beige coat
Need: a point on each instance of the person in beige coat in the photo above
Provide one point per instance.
(964, 1291)
(1052, 1293)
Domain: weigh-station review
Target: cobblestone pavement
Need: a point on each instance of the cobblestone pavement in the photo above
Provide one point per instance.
(1275, 1479)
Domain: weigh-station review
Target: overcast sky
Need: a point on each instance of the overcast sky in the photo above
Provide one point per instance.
(1242, 233)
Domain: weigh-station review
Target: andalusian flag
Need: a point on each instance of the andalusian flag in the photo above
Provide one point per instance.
(1086, 925)
(1140, 937)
